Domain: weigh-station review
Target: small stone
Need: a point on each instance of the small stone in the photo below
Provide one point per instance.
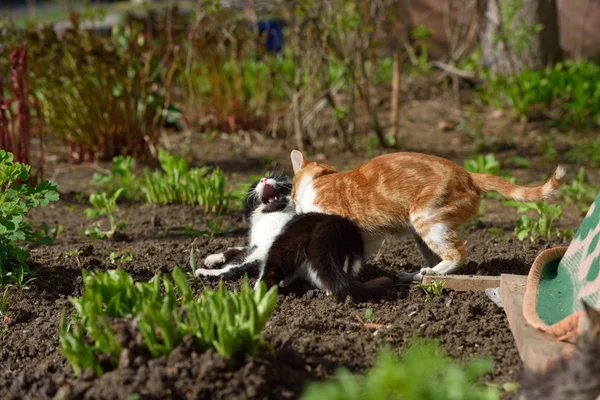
(446, 125)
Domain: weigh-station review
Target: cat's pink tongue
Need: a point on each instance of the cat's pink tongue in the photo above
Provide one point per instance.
(269, 194)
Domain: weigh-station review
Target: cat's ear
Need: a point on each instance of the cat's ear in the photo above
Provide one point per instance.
(298, 161)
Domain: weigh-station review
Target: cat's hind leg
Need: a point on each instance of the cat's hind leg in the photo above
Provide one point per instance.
(443, 240)
(439, 228)
(431, 259)
(217, 259)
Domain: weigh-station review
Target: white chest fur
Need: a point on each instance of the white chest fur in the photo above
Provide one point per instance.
(266, 227)
(305, 196)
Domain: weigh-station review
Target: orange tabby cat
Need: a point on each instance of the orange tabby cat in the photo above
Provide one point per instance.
(419, 193)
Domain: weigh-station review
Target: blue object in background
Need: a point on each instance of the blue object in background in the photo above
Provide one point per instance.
(274, 32)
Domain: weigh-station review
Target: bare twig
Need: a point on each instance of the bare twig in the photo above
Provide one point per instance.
(469, 75)
(368, 325)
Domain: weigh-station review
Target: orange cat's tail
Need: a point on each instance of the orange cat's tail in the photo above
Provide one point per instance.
(492, 183)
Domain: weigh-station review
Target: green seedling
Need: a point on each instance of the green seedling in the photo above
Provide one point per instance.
(103, 205)
(497, 234)
(540, 227)
(73, 253)
(16, 199)
(22, 278)
(189, 230)
(423, 372)
(432, 289)
(215, 228)
(508, 387)
(192, 278)
(125, 256)
(53, 233)
(120, 176)
(368, 314)
(579, 192)
(165, 310)
(4, 302)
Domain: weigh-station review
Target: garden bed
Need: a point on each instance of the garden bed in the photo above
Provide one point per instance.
(310, 333)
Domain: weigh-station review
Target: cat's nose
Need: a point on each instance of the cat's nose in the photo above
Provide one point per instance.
(263, 180)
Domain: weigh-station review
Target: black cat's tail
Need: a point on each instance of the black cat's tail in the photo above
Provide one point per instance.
(363, 291)
(340, 282)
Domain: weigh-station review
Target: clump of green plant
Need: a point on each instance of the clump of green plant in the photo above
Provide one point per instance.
(579, 192)
(120, 176)
(102, 95)
(432, 289)
(178, 183)
(423, 372)
(483, 165)
(542, 226)
(564, 89)
(103, 205)
(230, 323)
(16, 199)
(230, 87)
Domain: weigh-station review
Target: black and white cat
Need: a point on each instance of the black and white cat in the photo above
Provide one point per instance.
(326, 250)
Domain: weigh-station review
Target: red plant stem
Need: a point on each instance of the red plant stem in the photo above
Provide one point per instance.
(21, 89)
(6, 141)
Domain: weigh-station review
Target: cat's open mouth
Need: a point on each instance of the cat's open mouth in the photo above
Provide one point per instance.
(269, 194)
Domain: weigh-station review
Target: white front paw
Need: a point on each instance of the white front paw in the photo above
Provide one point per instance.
(214, 260)
(200, 272)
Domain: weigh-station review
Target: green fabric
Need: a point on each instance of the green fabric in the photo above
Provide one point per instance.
(555, 284)
(576, 277)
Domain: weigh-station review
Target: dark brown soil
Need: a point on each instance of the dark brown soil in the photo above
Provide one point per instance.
(311, 335)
